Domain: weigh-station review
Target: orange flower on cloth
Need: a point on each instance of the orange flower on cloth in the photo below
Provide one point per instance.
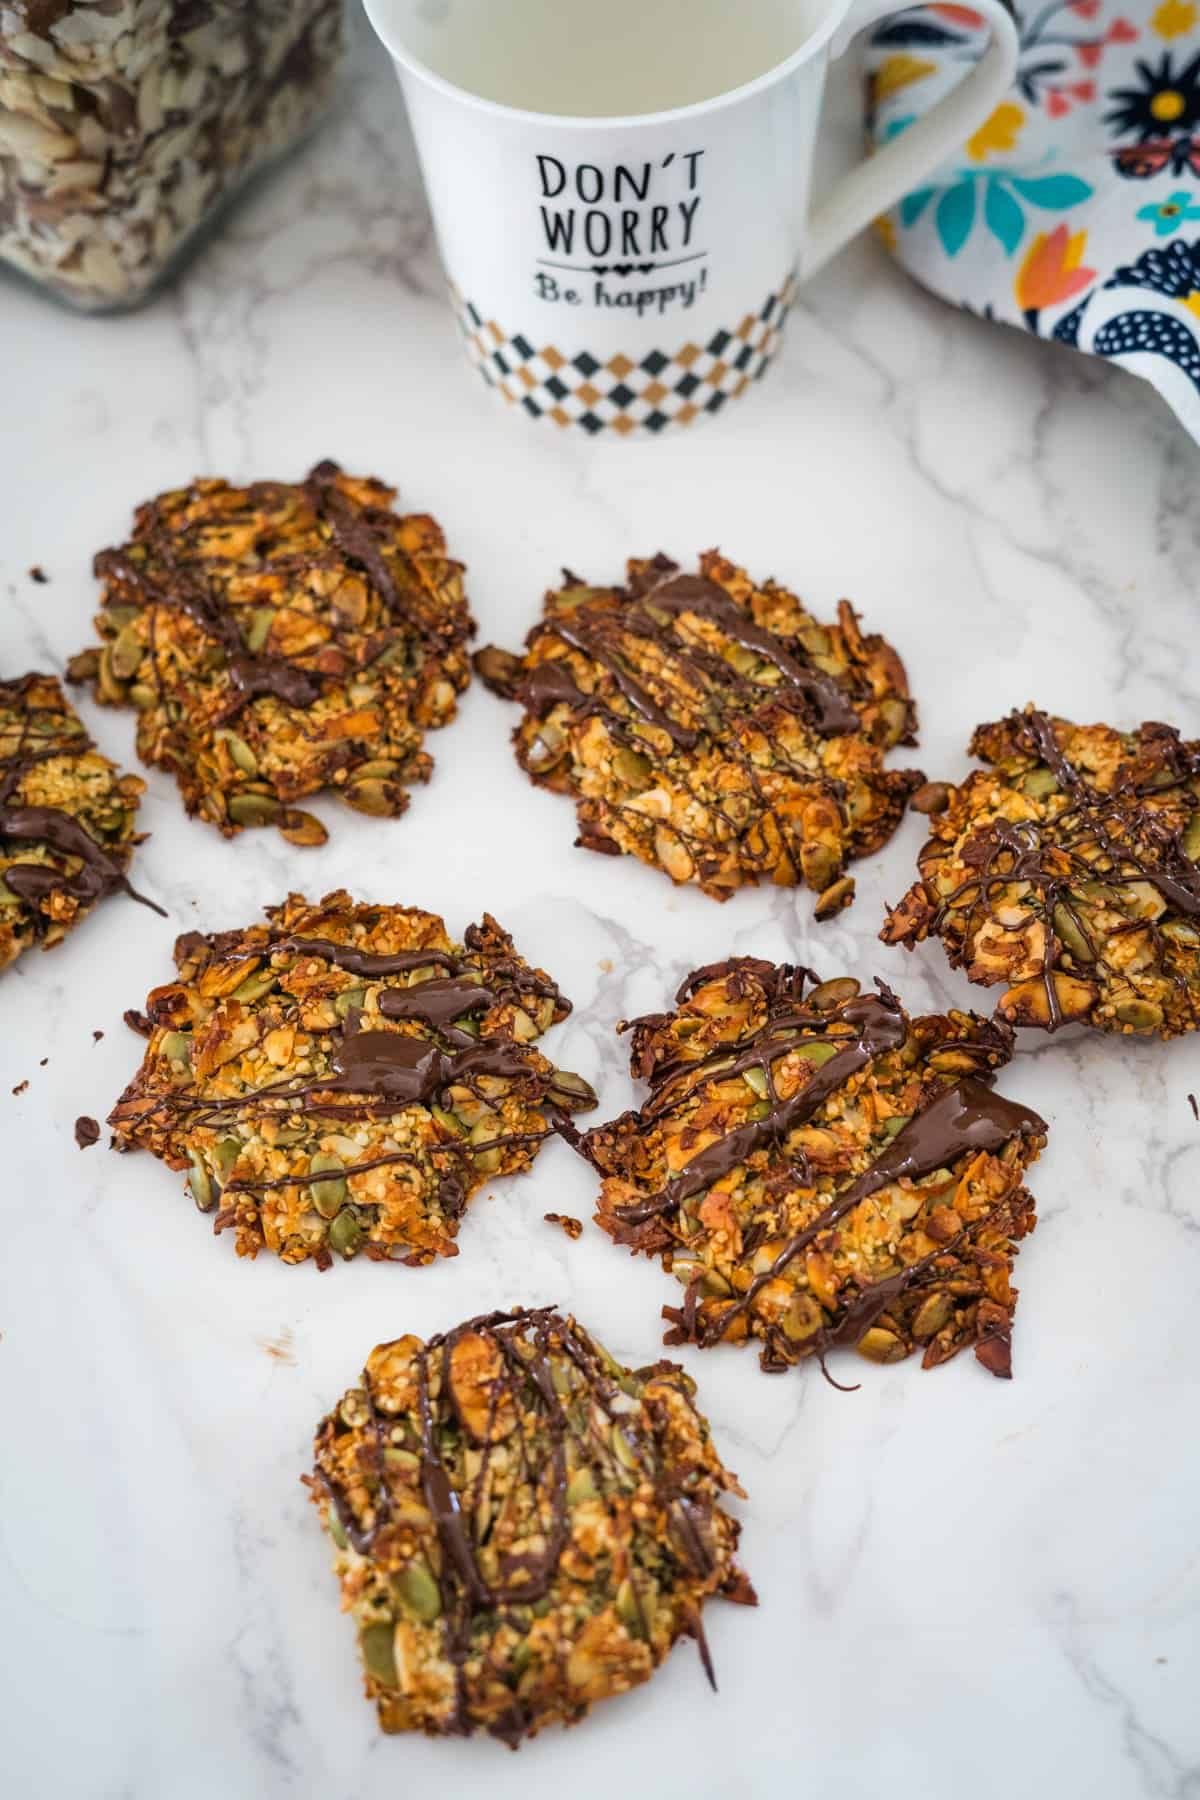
(1051, 271)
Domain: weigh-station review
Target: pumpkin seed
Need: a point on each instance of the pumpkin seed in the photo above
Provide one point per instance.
(337, 1530)
(199, 1185)
(628, 1610)
(500, 669)
(378, 1654)
(548, 747)
(396, 652)
(351, 999)
(108, 685)
(1140, 1015)
(836, 896)
(1189, 843)
(345, 1234)
(521, 1656)
(931, 1316)
(895, 1124)
(301, 828)
(258, 628)
(240, 752)
(381, 767)
(142, 696)
(816, 1053)
(378, 799)
(802, 1318)
(176, 1046)
(487, 1161)
(895, 717)
(1179, 932)
(399, 1458)
(931, 797)
(418, 1593)
(327, 1196)
(832, 993)
(571, 1090)
(126, 654)
(622, 1449)
(819, 864)
(226, 1153)
(256, 985)
(1071, 936)
(250, 808)
(449, 1121)
(757, 1080)
(1039, 783)
(634, 769)
(581, 1487)
(878, 1345)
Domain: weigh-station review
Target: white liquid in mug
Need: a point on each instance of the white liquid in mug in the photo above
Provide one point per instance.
(602, 58)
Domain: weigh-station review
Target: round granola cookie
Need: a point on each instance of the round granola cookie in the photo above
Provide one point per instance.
(343, 1078)
(1068, 870)
(523, 1526)
(713, 728)
(279, 639)
(67, 818)
(819, 1170)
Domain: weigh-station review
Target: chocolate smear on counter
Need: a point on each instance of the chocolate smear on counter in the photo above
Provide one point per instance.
(20, 1087)
(1194, 1107)
(38, 574)
(87, 1131)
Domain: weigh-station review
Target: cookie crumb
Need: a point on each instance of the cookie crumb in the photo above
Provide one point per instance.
(38, 574)
(21, 1086)
(572, 1227)
(96, 1036)
(137, 1021)
(87, 1132)
(1194, 1107)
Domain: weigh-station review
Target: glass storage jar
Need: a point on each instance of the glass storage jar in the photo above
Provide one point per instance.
(124, 124)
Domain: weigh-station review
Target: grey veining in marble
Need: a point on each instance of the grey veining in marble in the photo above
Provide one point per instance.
(968, 1587)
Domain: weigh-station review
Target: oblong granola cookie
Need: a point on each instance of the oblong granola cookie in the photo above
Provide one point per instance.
(819, 1170)
(523, 1526)
(280, 639)
(1069, 870)
(713, 728)
(67, 818)
(343, 1078)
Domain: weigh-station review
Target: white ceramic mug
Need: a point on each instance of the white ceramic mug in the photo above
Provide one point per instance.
(629, 272)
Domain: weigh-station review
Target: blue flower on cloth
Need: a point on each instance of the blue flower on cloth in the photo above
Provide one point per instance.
(1169, 214)
(1051, 211)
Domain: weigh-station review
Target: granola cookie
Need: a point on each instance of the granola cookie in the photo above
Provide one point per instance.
(712, 727)
(66, 818)
(820, 1170)
(523, 1526)
(344, 1077)
(277, 640)
(1069, 870)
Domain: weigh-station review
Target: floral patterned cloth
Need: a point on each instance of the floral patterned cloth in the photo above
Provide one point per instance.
(1074, 211)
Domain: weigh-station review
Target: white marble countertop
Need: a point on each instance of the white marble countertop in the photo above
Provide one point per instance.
(968, 1586)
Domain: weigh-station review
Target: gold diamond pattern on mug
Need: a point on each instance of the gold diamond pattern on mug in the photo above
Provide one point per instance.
(619, 394)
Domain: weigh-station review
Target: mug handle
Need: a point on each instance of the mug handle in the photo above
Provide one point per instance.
(883, 179)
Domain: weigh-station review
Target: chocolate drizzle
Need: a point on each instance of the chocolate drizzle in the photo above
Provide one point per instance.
(1133, 841)
(542, 1363)
(646, 613)
(100, 871)
(881, 1028)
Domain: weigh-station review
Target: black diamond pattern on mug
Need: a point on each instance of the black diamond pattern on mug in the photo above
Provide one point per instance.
(617, 393)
